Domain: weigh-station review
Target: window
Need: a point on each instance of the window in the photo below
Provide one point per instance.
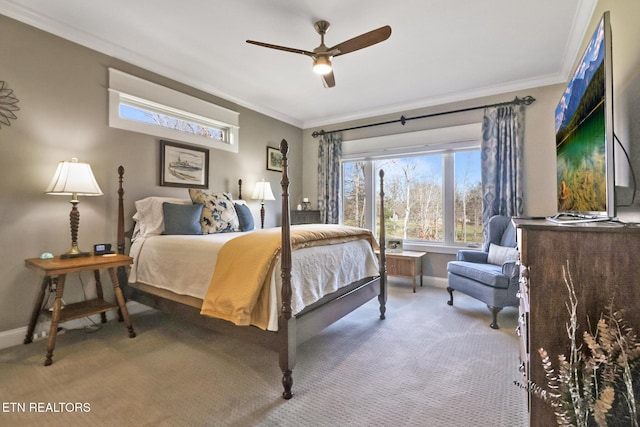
(142, 106)
(433, 193)
(468, 197)
(156, 115)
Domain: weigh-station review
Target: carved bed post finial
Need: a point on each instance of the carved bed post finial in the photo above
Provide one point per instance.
(382, 297)
(286, 323)
(240, 189)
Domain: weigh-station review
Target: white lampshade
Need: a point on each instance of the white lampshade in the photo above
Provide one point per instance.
(262, 191)
(74, 178)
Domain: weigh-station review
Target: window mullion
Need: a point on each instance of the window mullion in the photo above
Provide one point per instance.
(449, 197)
(370, 191)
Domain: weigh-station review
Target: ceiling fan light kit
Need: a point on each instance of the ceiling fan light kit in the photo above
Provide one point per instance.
(322, 65)
(322, 55)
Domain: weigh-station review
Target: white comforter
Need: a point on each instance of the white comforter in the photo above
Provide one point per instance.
(185, 264)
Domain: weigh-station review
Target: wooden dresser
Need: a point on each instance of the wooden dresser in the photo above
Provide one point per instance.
(604, 263)
(305, 217)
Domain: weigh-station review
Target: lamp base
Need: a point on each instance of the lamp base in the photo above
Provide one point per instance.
(74, 254)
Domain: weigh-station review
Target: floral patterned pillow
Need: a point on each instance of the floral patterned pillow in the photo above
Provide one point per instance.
(218, 214)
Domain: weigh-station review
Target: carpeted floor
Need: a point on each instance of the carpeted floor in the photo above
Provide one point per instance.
(427, 364)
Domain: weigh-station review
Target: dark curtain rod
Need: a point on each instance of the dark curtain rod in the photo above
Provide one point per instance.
(527, 100)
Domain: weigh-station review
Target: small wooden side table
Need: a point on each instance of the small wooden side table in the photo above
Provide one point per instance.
(405, 264)
(55, 271)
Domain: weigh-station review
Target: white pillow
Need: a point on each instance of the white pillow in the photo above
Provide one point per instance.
(149, 217)
(498, 255)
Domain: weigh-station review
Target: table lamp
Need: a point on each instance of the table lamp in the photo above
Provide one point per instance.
(262, 192)
(74, 179)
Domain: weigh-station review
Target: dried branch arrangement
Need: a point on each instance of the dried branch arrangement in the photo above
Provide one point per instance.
(597, 386)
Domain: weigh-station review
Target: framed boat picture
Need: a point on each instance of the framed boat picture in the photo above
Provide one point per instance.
(274, 159)
(183, 165)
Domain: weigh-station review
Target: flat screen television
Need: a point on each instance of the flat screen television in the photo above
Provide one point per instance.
(584, 135)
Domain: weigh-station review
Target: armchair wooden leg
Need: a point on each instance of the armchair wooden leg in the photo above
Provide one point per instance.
(450, 290)
(494, 312)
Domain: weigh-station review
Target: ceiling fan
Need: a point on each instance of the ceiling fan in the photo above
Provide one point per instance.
(322, 55)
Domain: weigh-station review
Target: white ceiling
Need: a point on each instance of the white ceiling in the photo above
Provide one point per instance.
(439, 50)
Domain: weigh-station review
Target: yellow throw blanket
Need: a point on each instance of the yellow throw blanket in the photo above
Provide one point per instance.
(239, 290)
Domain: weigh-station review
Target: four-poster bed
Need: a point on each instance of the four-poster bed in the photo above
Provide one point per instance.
(293, 327)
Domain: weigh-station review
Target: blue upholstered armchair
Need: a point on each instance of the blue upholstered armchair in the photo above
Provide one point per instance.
(490, 275)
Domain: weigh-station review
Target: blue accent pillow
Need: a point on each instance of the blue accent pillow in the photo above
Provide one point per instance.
(245, 218)
(182, 219)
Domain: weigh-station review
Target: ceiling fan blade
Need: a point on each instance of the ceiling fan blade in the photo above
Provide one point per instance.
(286, 49)
(363, 40)
(328, 80)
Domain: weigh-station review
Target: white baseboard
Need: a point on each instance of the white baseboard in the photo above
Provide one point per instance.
(436, 282)
(16, 336)
(431, 281)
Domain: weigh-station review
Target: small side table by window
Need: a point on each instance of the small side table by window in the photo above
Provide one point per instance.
(55, 271)
(406, 264)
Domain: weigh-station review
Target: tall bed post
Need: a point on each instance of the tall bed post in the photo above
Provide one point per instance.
(286, 323)
(382, 297)
(120, 211)
(120, 244)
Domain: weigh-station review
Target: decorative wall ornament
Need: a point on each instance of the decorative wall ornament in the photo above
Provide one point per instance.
(7, 105)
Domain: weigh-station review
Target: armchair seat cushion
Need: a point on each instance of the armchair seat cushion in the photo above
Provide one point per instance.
(487, 274)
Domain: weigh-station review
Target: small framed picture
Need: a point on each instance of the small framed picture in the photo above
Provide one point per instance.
(394, 245)
(274, 159)
(183, 165)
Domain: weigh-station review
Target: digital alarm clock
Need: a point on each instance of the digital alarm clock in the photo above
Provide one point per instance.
(102, 249)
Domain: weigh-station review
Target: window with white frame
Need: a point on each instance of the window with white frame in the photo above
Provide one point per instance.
(141, 106)
(433, 193)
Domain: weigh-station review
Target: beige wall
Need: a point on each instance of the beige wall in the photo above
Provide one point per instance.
(62, 92)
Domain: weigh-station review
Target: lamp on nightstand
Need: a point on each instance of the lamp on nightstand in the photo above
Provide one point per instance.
(262, 192)
(74, 179)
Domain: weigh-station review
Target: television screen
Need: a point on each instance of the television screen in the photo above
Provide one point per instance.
(584, 134)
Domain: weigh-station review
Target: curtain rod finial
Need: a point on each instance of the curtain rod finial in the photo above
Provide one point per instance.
(527, 100)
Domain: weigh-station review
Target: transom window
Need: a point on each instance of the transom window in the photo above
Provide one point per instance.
(142, 106)
(152, 114)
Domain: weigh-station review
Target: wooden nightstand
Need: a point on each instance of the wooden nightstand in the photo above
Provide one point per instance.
(305, 217)
(405, 264)
(55, 272)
